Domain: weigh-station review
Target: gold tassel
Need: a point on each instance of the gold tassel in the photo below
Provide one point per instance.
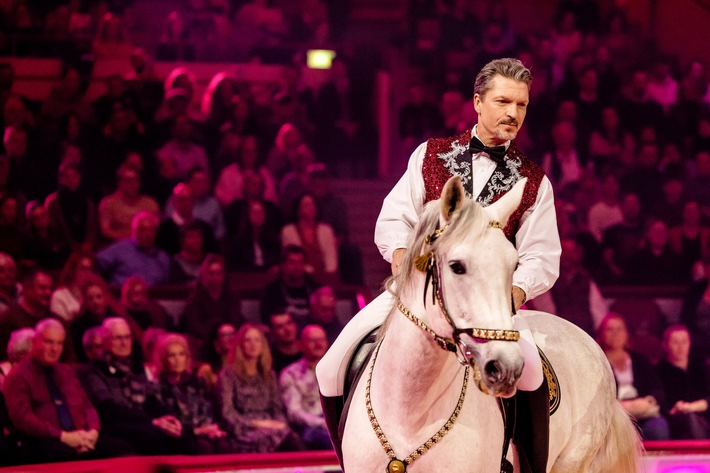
(422, 262)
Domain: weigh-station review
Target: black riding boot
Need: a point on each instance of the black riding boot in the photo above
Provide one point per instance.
(332, 411)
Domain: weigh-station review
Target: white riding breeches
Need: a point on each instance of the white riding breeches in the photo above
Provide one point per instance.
(332, 368)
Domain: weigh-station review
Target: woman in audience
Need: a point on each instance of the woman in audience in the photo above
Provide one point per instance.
(231, 182)
(638, 388)
(45, 245)
(695, 311)
(18, 346)
(610, 142)
(186, 263)
(691, 239)
(66, 299)
(257, 244)
(286, 150)
(97, 304)
(136, 302)
(215, 353)
(72, 211)
(250, 399)
(185, 396)
(217, 99)
(315, 237)
(685, 386)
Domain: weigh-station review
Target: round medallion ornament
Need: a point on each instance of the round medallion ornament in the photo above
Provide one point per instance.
(396, 466)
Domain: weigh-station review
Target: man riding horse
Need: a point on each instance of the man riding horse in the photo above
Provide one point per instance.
(489, 164)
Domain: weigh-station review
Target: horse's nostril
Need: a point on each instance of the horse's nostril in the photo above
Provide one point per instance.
(492, 369)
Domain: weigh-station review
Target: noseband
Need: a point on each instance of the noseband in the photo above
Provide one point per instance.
(428, 264)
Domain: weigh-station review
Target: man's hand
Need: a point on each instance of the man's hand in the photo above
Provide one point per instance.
(518, 297)
(211, 431)
(91, 437)
(269, 424)
(74, 439)
(169, 424)
(397, 257)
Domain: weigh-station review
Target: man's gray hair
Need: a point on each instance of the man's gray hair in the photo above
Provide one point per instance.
(509, 68)
(48, 324)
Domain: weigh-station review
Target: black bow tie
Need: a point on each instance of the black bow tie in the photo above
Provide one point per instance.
(496, 153)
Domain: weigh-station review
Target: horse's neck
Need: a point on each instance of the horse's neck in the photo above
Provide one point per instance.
(413, 371)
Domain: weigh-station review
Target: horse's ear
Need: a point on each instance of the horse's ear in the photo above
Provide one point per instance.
(452, 197)
(504, 207)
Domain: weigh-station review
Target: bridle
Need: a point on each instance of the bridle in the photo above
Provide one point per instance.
(427, 263)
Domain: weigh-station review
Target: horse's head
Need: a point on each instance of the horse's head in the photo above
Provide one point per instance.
(469, 264)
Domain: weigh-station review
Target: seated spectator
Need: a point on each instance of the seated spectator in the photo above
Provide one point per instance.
(324, 312)
(137, 255)
(10, 289)
(696, 187)
(300, 393)
(211, 303)
(250, 400)
(295, 182)
(232, 183)
(180, 153)
(283, 341)
(66, 299)
(206, 207)
(185, 396)
(256, 244)
(334, 212)
(685, 386)
(607, 211)
(215, 353)
(288, 146)
(315, 237)
(691, 239)
(695, 310)
(638, 388)
(71, 210)
(120, 392)
(654, 262)
(116, 211)
(150, 341)
(575, 296)
(97, 305)
(186, 263)
(291, 290)
(111, 39)
(33, 307)
(49, 407)
(610, 143)
(19, 345)
(621, 240)
(93, 344)
(563, 164)
(670, 207)
(46, 244)
(144, 310)
(12, 235)
(168, 237)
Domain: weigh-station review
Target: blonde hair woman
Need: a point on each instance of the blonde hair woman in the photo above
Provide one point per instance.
(250, 398)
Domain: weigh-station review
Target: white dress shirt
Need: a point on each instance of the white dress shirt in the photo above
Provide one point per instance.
(537, 239)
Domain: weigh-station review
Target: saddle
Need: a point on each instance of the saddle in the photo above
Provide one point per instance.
(526, 415)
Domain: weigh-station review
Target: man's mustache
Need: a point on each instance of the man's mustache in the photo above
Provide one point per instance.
(511, 121)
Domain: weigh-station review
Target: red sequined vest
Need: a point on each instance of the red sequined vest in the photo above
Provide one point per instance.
(435, 173)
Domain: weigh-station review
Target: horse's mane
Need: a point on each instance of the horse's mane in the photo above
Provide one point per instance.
(465, 224)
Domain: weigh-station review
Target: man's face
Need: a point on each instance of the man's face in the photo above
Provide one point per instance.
(283, 328)
(95, 300)
(145, 232)
(678, 346)
(324, 310)
(501, 111)
(315, 343)
(119, 340)
(225, 338)
(294, 267)
(129, 183)
(213, 276)
(137, 296)
(39, 291)
(94, 347)
(48, 345)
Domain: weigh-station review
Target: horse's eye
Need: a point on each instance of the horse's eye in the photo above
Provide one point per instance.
(457, 267)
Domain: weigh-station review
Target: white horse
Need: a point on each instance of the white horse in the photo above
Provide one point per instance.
(416, 388)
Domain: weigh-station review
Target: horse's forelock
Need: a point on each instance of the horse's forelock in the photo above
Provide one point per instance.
(466, 223)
